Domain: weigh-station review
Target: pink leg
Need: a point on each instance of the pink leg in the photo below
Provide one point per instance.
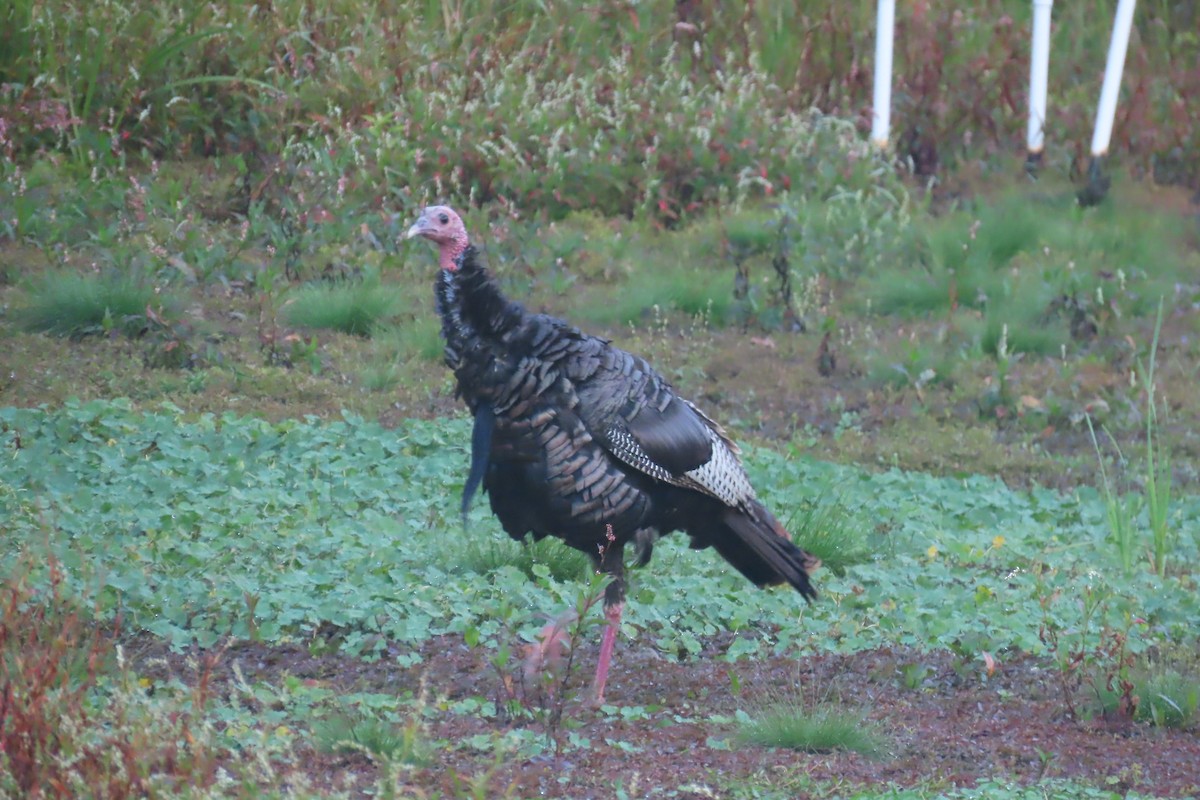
(613, 614)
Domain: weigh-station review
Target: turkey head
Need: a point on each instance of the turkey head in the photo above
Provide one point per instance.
(442, 226)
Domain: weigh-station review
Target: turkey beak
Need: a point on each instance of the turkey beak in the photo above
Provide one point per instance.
(419, 227)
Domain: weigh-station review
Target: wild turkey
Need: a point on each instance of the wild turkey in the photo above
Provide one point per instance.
(573, 435)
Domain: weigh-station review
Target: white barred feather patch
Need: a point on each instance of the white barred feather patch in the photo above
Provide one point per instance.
(723, 476)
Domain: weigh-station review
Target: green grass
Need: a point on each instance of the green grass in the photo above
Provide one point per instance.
(1016, 258)
(483, 553)
(920, 363)
(659, 288)
(419, 338)
(1157, 468)
(67, 304)
(1023, 330)
(998, 233)
(792, 724)
(899, 291)
(1124, 508)
(830, 531)
(1168, 696)
(357, 308)
(1170, 699)
(360, 732)
(380, 377)
(1121, 509)
(398, 351)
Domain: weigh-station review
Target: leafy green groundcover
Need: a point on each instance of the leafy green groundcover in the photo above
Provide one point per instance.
(201, 528)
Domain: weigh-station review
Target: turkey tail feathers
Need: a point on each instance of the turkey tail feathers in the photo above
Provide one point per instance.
(762, 551)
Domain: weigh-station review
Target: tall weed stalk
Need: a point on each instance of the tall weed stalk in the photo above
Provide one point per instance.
(1120, 509)
(1158, 465)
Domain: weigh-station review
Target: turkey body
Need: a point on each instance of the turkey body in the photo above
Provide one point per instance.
(578, 439)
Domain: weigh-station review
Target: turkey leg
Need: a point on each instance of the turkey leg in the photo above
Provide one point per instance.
(613, 614)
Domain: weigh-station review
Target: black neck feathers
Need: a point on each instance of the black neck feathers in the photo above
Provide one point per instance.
(482, 307)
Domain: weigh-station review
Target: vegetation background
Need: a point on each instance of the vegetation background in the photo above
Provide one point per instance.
(228, 437)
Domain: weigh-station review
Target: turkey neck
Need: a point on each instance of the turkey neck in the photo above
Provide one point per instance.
(477, 322)
(475, 303)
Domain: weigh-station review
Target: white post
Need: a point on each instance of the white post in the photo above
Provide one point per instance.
(1107, 109)
(881, 112)
(1039, 70)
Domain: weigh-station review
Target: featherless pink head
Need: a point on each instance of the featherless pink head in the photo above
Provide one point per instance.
(442, 226)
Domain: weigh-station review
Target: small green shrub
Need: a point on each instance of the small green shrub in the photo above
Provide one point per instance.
(751, 232)
(68, 304)
(1163, 534)
(857, 231)
(1170, 699)
(1005, 229)
(399, 350)
(1123, 509)
(1120, 508)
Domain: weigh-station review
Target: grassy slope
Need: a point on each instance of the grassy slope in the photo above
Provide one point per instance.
(917, 385)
